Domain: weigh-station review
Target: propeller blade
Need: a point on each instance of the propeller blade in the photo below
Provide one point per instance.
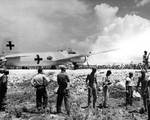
(105, 51)
(88, 64)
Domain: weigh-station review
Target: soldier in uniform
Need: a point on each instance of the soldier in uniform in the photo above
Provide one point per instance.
(129, 89)
(63, 90)
(40, 82)
(145, 60)
(91, 82)
(106, 84)
(143, 81)
(3, 88)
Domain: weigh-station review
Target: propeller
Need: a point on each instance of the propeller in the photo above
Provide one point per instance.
(88, 64)
(104, 51)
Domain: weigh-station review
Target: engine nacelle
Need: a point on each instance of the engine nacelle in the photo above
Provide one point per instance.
(49, 58)
(78, 60)
(3, 61)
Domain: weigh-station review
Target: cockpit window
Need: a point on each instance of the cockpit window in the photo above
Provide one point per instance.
(71, 52)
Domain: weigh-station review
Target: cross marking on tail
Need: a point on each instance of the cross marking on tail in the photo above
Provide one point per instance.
(10, 45)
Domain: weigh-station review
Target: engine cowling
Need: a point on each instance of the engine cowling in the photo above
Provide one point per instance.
(49, 58)
(3, 60)
(78, 60)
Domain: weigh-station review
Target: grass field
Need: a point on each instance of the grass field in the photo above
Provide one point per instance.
(21, 98)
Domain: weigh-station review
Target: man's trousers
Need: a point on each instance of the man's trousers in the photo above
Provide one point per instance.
(41, 97)
(63, 95)
(92, 92)
(129, 95)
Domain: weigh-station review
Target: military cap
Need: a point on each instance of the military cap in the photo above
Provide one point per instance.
(62, 67)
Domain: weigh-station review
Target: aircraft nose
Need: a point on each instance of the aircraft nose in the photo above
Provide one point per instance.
(3, 59)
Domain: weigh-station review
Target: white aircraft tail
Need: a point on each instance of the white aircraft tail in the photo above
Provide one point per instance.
(7, 47)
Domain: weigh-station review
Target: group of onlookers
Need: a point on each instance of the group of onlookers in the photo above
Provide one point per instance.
(143, 87)
(40, 81)
(91, 82)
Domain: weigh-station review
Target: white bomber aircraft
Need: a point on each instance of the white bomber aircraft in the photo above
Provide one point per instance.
(12, 59)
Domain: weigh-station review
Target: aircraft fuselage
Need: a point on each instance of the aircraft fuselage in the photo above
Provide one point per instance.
(42, 59)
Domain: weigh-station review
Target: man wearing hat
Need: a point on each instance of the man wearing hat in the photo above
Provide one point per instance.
(63, 90)
(3, 88)
(91, 83)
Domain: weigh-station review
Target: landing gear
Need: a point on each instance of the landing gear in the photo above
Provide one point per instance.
(53, 67)
(76, 66)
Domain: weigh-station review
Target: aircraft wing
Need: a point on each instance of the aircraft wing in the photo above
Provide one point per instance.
(83, 55)
(3, 59)
(15, 56)
(104, 51)
(73, 57)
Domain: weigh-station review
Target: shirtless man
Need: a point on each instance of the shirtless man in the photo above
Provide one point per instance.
(145, 60)
(91, 82)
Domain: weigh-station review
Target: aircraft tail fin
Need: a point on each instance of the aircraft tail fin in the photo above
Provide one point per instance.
(7, 47)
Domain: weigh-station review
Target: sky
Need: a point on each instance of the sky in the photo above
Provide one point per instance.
(83, 25)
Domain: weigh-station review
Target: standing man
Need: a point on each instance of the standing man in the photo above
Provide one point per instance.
(91, 82)
(143, 81)
(40, 82)
(3, 88)
(145, 60)
(63, 90)
(106, 84)
(148, 97)
(129, 89)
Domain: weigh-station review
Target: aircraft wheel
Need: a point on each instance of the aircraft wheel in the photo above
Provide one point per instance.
(53, 67)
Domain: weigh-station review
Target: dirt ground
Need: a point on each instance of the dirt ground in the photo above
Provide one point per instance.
(21, 98)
